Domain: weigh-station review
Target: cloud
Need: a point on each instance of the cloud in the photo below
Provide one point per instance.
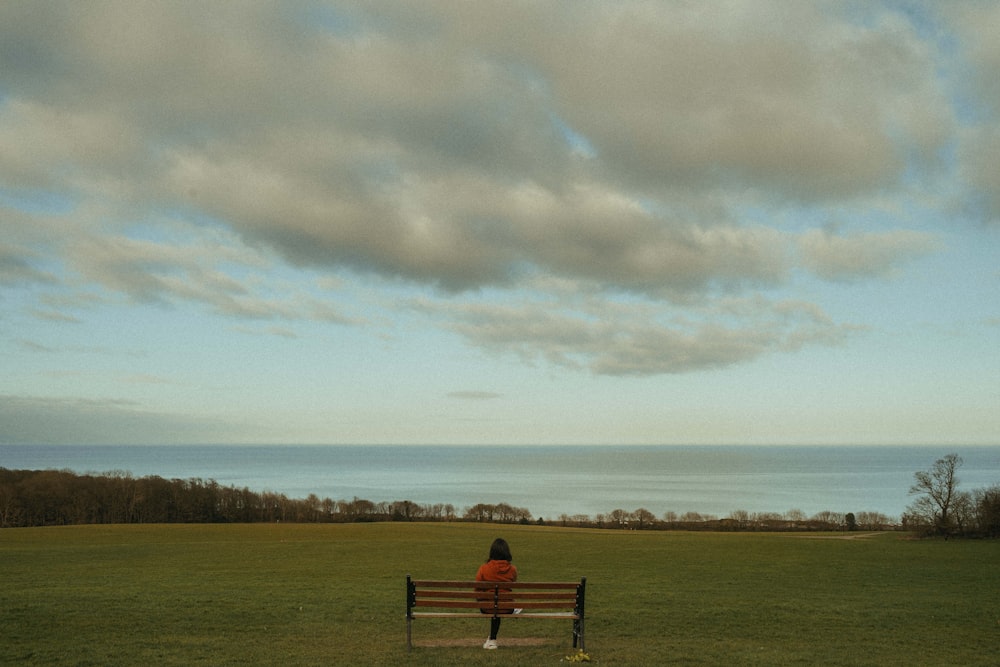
(975, 27)
(841, 258)
(173, 266)
(472, 395)
(974, 24)
(17, 267)
(145, 378)
(639, 151)
(643, 340)
(794, 101)
(46, 419)
(980, 147)
(388, 148)
(54, 316)
(34, 346)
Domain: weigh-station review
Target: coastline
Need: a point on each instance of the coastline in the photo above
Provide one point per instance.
(548, 480)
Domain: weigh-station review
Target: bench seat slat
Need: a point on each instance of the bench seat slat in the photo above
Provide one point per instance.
(483, 595)
(452, 594)
(456, 614)
(452, 604)
(490, 585)
(472, 604)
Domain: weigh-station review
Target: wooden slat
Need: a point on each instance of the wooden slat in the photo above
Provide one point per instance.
(452, 594)
(490, 585)
(523, 595)
(452, 604)
(452, 614)
(446, 614)
(483, 604)
(483, 595)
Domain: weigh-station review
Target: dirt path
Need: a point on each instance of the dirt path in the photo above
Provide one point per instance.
(845, 536)
(470, 641)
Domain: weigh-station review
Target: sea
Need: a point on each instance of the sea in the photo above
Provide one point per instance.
(548, 481)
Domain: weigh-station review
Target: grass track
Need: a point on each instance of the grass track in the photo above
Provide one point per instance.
(297, 594)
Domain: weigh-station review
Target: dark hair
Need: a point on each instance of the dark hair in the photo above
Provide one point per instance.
(500, 550)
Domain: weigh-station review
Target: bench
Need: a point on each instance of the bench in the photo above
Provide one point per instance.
(487, 599)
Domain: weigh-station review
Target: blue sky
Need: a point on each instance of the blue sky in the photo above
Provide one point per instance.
(490, 223)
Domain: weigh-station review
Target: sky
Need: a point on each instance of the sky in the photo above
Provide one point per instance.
(500, 223)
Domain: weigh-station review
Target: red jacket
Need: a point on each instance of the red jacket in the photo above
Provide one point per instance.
(496, 570)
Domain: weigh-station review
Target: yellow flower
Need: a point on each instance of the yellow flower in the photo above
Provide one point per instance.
(579, 656)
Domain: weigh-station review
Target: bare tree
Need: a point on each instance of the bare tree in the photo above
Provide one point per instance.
(937, 486)
(833, 519)
(643, 517)
(963, 511)
(873, 520)
(480, 512)
(619, 517)
(741, 517)
(795, 515)
(988, 511)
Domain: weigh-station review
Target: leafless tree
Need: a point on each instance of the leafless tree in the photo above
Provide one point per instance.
(988, 511)
(833, 519)
(741, 517)
(619, 517)
(937, 489)
(873, 520)
(795, 515)
(643, 517)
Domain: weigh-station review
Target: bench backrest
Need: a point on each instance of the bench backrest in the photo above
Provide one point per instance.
(496, 597)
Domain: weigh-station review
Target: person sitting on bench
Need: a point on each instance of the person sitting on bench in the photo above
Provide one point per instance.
(498, 567)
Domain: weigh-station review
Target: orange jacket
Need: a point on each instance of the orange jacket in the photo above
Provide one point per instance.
(496, 570)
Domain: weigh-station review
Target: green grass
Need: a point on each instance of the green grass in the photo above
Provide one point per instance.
(334, 594)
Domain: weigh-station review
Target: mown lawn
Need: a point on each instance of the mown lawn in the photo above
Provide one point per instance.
(334, 594)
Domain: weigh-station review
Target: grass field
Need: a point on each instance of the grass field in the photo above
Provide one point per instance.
(298, 594)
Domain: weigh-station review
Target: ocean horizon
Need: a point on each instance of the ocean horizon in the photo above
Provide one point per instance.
(548, 480)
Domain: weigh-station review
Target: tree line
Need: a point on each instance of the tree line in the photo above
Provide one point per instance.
(737, 520)
(61, 497)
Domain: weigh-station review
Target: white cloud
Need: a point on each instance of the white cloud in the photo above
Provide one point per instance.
(643, 339)
(474, 395)
(17, 266)
(46, 419)
(849, 258)
(438, 145)
(976, 25)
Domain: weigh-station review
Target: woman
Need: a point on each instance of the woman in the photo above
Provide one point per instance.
(497, 567)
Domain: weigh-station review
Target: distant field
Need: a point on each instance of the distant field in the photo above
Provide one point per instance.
(306, 594)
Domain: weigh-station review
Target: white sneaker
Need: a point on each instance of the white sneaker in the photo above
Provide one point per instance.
(490, 644)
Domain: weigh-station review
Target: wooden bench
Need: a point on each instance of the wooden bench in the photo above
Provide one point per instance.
(487, 599)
